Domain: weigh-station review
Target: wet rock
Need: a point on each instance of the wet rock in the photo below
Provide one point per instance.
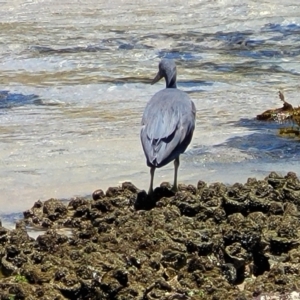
(275, 208)
(206, 242)
(50, 241)
(98, 194)
(113, 191)
(173, 259)
(236, 199)
(237, 255)
(130, 187)
(259, 218)
(54, 209)
(67, 282)
(187, 206)
(229, 271)
(3, 235)
(43, 214)
(275, 180)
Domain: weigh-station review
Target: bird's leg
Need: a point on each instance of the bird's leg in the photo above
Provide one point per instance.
(176, 166)
(152, 170)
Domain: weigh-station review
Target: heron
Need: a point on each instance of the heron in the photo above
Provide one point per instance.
(168, 123)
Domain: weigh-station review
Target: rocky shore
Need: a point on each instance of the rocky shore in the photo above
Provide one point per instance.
(205, 242)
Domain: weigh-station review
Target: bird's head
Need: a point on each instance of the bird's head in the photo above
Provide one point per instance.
(166, 69)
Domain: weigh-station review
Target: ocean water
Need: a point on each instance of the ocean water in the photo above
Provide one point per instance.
(75, 78)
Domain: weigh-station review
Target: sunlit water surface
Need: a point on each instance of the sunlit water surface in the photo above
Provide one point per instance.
(74, 80)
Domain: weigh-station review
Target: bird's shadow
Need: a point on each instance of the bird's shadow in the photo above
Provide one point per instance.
(146, 201)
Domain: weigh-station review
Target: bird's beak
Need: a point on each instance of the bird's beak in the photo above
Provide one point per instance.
(157, 78)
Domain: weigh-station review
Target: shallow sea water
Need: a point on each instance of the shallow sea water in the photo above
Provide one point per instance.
(75, 78)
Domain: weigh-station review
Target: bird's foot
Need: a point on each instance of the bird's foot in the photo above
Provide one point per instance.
(174, 189)
(150, 193)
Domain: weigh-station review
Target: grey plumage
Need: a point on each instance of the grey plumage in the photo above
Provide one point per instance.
(168, 123)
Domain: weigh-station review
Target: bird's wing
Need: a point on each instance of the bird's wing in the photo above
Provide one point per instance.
(161, 121)
(168, 120)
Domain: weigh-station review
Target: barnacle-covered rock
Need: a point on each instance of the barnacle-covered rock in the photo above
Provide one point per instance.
(275, 180)
(207, 242)
(237, 255)
(246, 232)
(259, 218)
(236, 199)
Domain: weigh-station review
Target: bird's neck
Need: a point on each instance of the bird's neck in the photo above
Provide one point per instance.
(171, 84)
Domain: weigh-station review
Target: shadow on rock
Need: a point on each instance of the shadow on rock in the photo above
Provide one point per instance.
(147, 202)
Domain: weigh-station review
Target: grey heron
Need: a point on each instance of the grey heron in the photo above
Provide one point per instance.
(168, 123)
